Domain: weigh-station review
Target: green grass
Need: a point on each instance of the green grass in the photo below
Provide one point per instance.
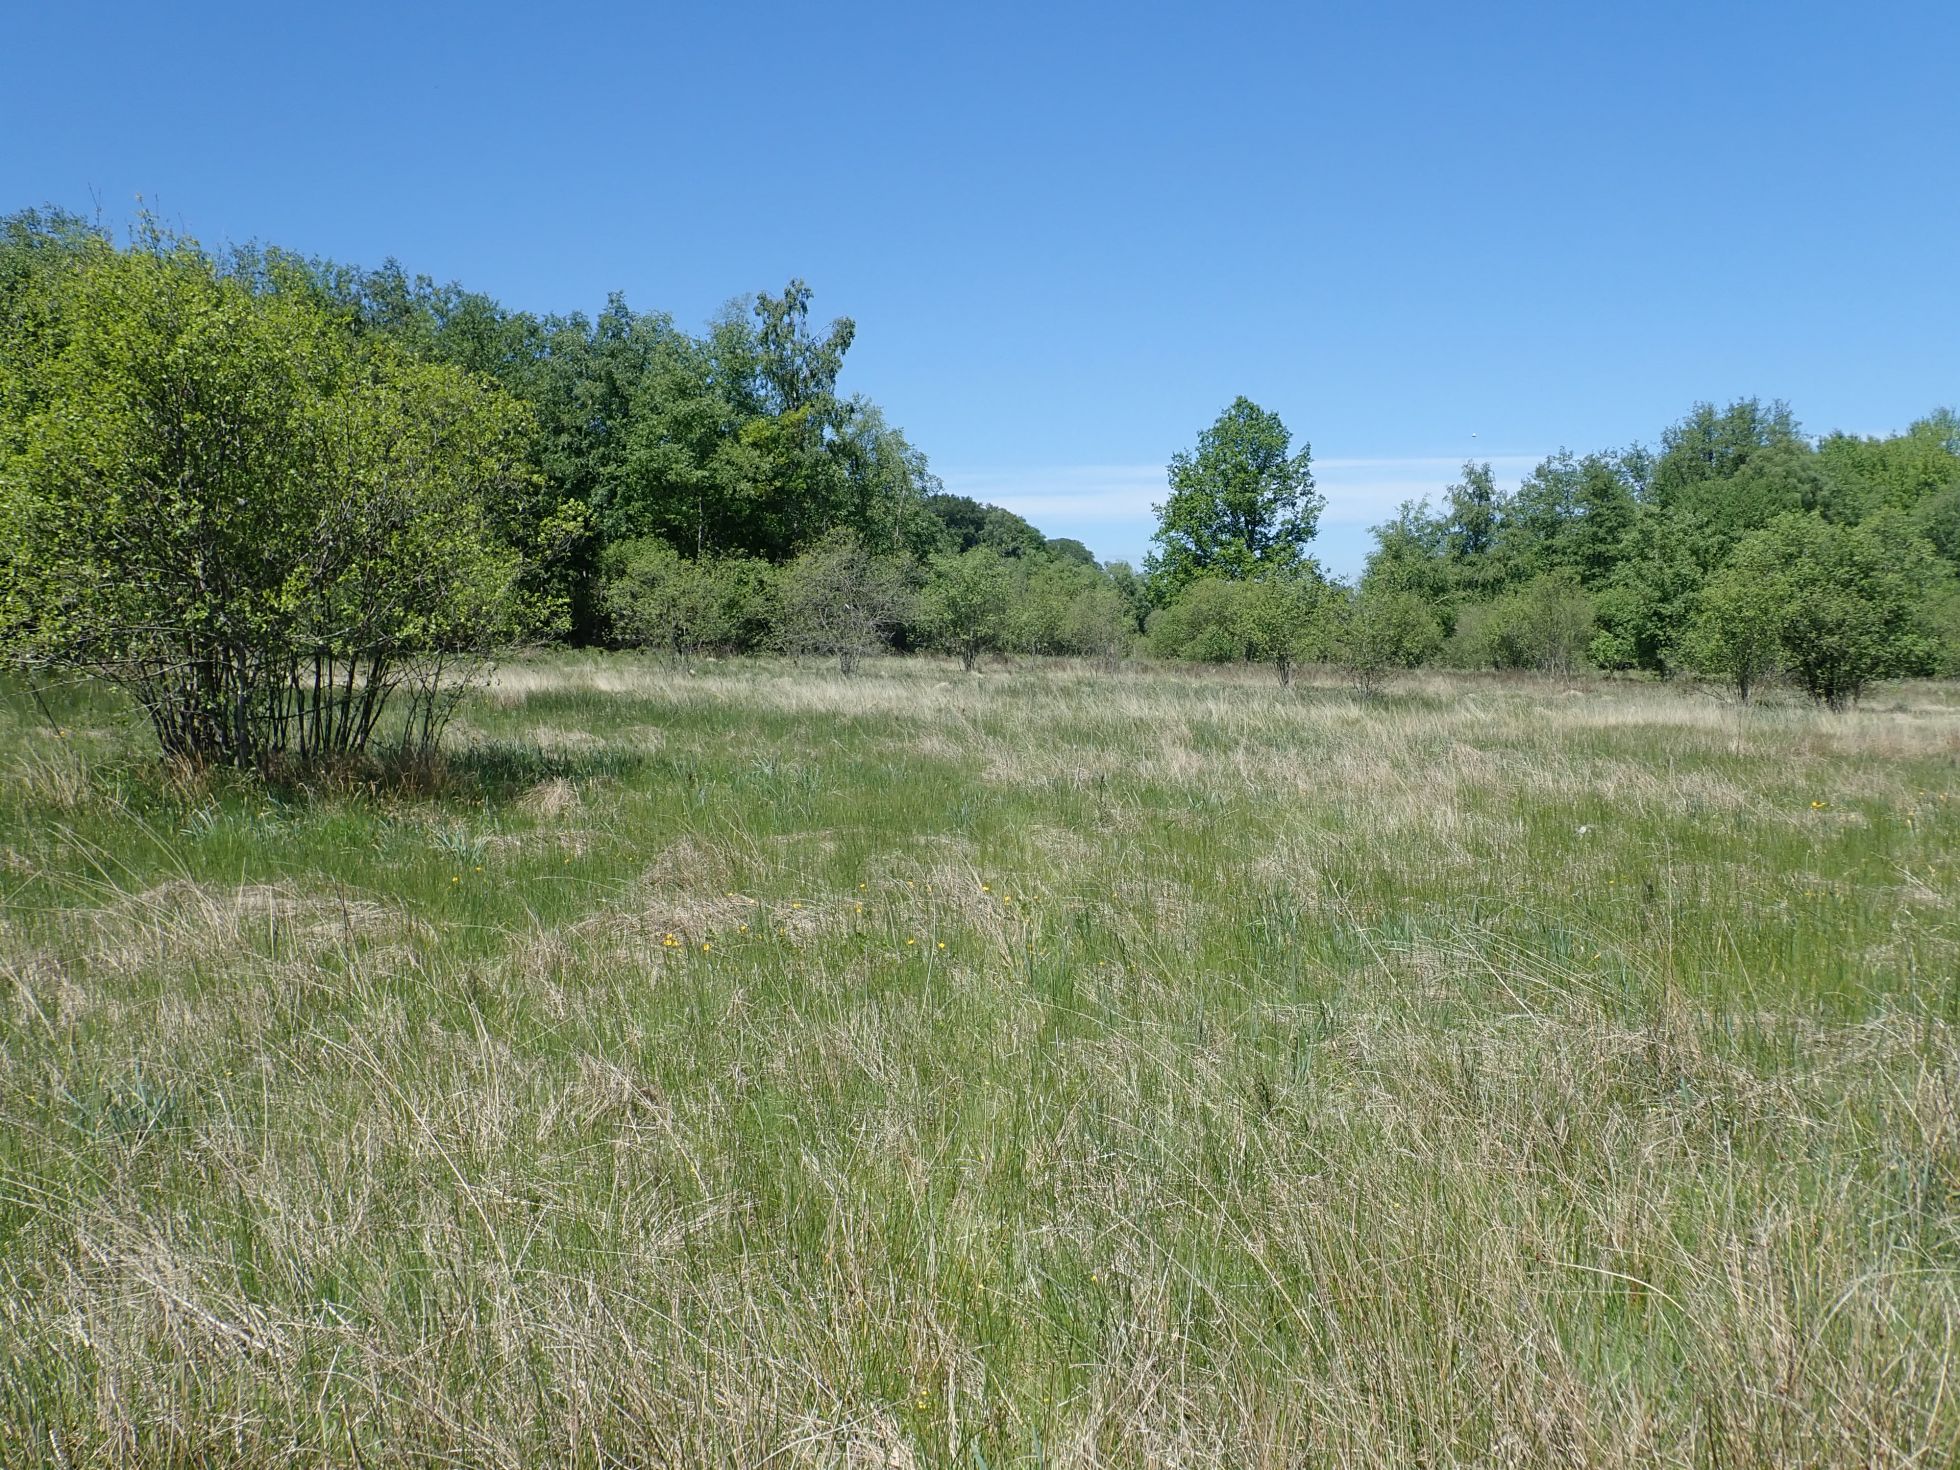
(744, 1065)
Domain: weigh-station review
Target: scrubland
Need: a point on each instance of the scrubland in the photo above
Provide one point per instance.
(741, 1065)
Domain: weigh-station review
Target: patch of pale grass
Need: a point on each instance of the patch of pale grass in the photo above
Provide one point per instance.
(182, 921)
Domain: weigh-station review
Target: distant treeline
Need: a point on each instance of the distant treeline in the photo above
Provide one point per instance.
(268, 493)
(1743, 549)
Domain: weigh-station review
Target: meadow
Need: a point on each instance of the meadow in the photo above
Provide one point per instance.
(743, 1065)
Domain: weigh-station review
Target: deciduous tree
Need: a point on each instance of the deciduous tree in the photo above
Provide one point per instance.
(1240, 505)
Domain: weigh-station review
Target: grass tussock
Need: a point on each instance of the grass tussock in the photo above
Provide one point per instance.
(742, 1065)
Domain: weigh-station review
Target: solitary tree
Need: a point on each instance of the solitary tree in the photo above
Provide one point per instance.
(1239, 506)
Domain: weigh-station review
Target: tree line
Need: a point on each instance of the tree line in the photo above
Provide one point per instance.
(288, 504)
(285, 502)
(1743, 549)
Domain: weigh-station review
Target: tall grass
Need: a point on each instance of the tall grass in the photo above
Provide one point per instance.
(749, 1066)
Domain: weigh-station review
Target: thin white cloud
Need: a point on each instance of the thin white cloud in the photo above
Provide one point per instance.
(1080, 492)
(1069, 499)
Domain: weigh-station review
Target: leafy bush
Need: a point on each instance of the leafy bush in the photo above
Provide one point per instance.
(1381, 628)
(653, 597)
(1096, 623)
(259, 526)
(1284, 619)
(840, 601)
(1204, 622)
(1545, 625)
(1846, 603)
(1066, 606)
(1737, 631)
(966, 603)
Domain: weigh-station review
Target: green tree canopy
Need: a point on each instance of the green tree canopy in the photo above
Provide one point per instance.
(1240, 505)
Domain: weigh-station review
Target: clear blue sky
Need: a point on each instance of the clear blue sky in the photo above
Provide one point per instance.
(1070, 234)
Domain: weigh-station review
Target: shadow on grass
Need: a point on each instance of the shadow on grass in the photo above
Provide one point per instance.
(489, 772)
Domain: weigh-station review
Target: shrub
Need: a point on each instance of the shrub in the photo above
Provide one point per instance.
(258, 527)
(1381, 628)
(653, 597)
(1097, 623)
(1737, 632)
(1204, 622)
(1545, 625)
(1283, 617)
(1067, 606)
(1847, 602)
(838, 600)
(967, 602)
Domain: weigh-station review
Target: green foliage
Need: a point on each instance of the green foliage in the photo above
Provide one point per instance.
(1063, 606)
(655, 598)
(966, 523)
(1470, 519)
(967, 602)
(1096, 622)
(1713, 446)
(1937, 518)
(1205, 622)
(1645, 536)
(1544, 625)
(1897, 473)
(38, 250)
(1381, 628)
(1067, 548)
(1571, 514)
(734, 442)
(259, 527)
(839, 601)
(1648, 600)
(1409, 556)
(1283, 618)
(1737, 632)
(1134, 588)
(1940, 619)
(1847, 602)
(1239, 506)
